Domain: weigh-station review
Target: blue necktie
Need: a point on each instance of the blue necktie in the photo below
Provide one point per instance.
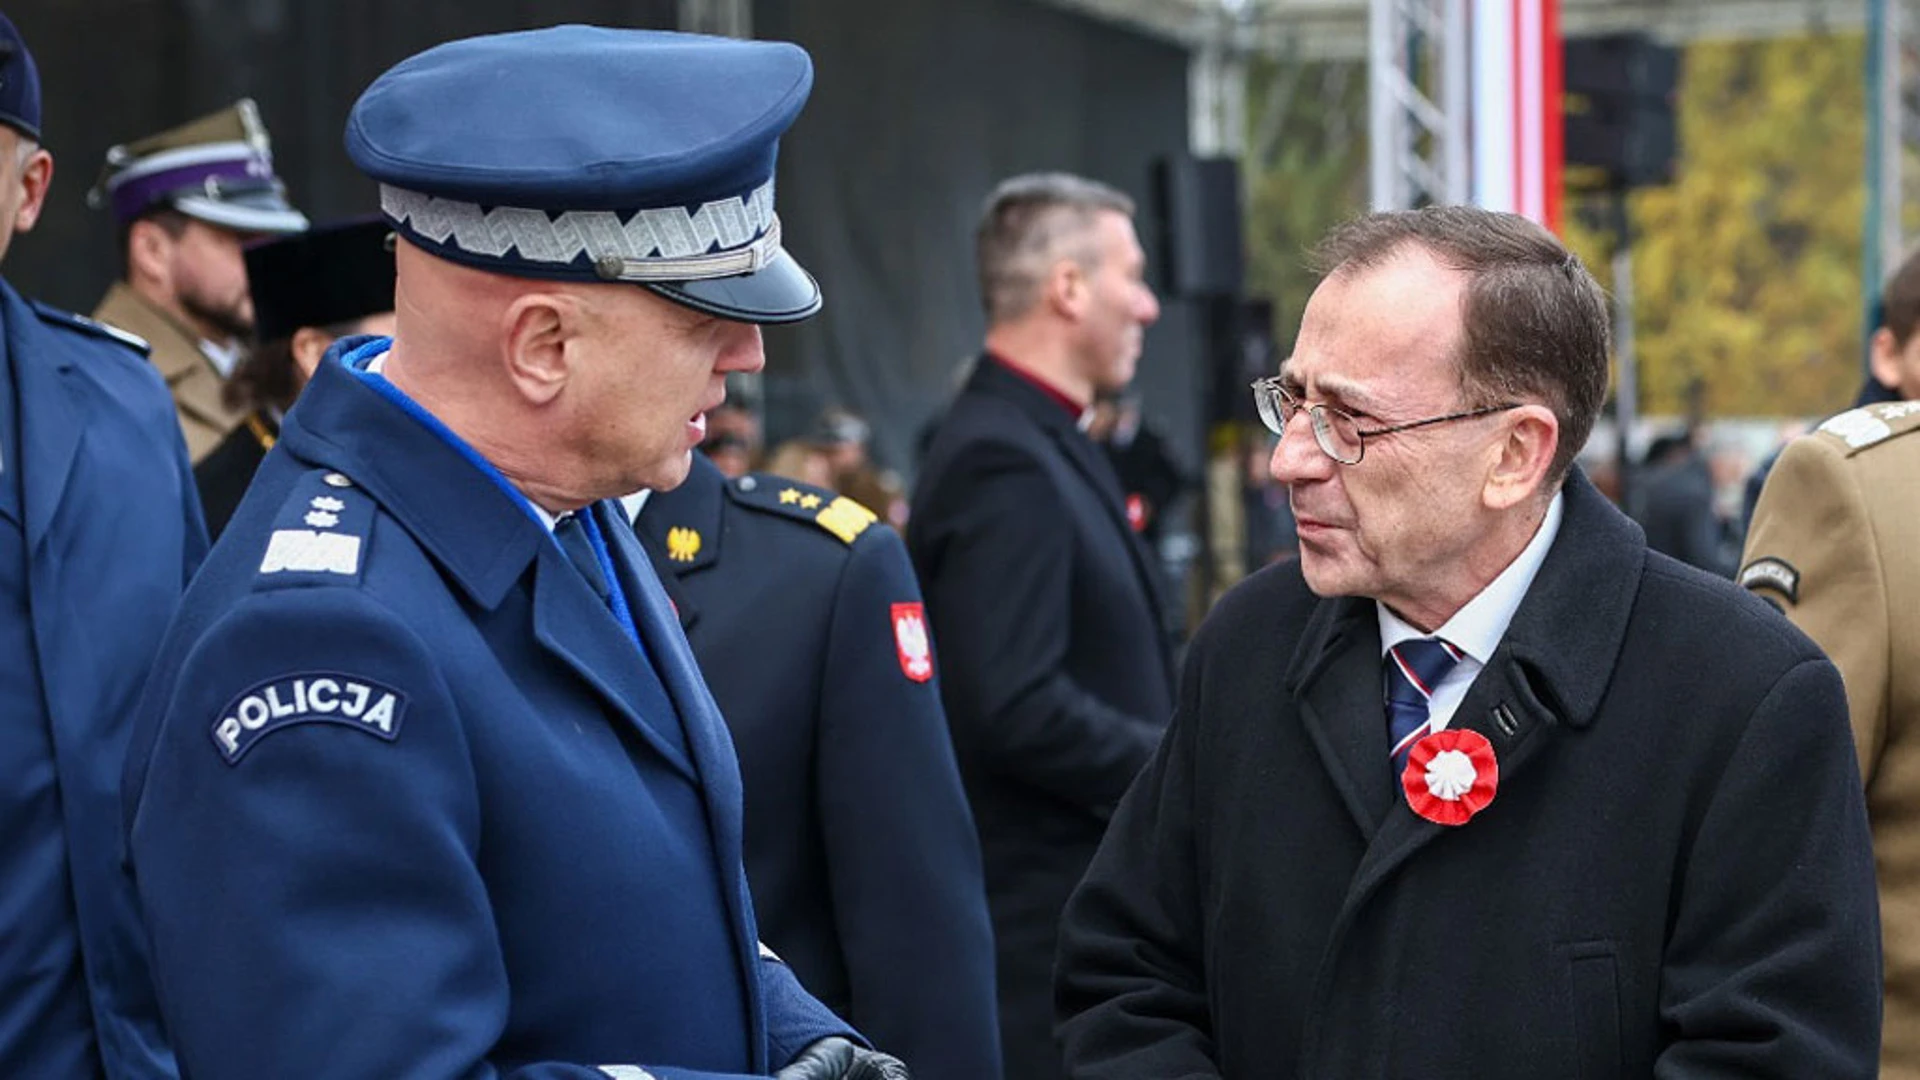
(1414, 669)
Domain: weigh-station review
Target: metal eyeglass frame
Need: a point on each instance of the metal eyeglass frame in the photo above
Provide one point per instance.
(1273, 403)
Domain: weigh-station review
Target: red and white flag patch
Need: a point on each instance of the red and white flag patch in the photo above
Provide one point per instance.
(1137, 513)
(911, 641)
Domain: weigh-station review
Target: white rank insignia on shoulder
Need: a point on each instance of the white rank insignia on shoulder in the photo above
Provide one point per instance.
(307, 551)
(327, 545)
(318, 697)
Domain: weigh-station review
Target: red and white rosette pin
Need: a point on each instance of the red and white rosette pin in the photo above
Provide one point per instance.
(1451, 775)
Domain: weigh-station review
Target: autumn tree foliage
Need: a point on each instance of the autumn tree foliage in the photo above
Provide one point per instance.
(1746, 268)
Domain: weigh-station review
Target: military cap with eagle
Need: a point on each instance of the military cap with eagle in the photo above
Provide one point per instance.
(217, 168)
(592, 154)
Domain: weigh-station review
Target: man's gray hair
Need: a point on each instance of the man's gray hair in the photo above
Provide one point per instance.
(1029, 223)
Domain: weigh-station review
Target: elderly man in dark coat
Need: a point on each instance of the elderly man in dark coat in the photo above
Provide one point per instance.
(1479, 787)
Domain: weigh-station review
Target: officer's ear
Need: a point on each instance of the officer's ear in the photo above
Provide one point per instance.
(541, 336)
(36, 175)
(150, 253)
(1884, 358)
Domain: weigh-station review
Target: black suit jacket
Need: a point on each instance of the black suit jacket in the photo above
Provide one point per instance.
(1058, 674)
(860, 853)
(223, 475)
(1674, 877)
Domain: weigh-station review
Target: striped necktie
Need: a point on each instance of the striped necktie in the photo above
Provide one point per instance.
(1414, 669)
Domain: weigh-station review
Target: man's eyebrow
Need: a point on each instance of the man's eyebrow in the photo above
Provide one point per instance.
(1336, 390)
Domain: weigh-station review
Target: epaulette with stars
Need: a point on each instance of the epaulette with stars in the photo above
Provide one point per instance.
(837, 514)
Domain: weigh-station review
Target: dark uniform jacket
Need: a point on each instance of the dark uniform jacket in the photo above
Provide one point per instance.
(223, 475)
(1057, 680)
(807, 622)
(1673, 877)
(99, 532)
(408, 801)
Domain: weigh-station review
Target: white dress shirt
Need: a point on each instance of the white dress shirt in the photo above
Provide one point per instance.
(1477, 628)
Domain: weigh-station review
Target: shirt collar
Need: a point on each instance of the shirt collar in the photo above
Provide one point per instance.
(1477, 628)
(631, 505)
(1081, 413)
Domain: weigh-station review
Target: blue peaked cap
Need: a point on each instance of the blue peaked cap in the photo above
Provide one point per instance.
(594, 154)
(19, 83)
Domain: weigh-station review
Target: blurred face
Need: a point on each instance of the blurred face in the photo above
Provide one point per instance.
(646, 373)
(1398, 525)
(209, 278)
(1116, 307)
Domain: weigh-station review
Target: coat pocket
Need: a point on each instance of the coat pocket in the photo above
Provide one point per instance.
(1593, 997)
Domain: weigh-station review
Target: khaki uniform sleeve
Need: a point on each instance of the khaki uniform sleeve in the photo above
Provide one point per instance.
(1812, 516)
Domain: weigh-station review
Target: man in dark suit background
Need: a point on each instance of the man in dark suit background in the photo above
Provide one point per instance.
(1479, 786)
(1058, 676)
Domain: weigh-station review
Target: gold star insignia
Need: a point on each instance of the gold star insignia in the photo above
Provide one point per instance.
(791, 495)
(808, 502)
(683, 544)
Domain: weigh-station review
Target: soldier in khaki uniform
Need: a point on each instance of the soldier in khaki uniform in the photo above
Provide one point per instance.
(186, 201)
(1832, 544)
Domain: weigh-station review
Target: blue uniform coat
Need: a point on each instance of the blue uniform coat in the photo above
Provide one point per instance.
(862, 855)
(415, 806)
(110, 530)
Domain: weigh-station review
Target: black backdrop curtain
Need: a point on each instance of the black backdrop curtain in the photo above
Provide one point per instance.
(920, 106)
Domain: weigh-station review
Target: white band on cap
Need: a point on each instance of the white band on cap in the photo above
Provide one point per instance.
(668, 244)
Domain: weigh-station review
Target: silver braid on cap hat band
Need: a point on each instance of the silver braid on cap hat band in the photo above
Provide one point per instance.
(667, 244)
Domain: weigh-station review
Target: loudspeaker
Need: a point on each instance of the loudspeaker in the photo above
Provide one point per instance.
(1198, 200)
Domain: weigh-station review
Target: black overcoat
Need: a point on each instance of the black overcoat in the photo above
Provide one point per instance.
(1058, 678)
(1674, 877)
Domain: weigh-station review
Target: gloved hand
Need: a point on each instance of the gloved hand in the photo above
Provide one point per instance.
(835, 1058)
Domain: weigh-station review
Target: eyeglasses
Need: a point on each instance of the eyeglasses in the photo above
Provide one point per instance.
(1339, 435)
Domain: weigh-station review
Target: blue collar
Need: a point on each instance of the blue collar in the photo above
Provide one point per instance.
(356, 361)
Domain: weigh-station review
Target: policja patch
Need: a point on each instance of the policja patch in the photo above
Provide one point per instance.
(312, 697)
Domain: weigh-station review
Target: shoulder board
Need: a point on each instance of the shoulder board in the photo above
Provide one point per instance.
(319, 537)
(94, 327)
(1871, 425)
(837, 514)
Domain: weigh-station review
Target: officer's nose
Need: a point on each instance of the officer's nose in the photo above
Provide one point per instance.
(743, 350)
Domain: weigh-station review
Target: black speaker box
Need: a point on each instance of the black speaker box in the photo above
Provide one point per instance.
(1202, 252)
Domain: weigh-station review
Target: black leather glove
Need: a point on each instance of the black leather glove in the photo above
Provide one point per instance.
(836, 1058)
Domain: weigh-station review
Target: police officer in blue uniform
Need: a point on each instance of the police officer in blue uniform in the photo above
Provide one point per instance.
(428, 784)
(99, 532)
(865, 867)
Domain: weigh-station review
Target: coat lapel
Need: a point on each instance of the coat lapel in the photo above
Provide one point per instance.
(573, 624)
(1546, 678)
(717, 769)
(50, 431)
(1336, 681)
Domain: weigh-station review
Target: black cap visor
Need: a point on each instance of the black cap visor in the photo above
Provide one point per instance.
(780, 292)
